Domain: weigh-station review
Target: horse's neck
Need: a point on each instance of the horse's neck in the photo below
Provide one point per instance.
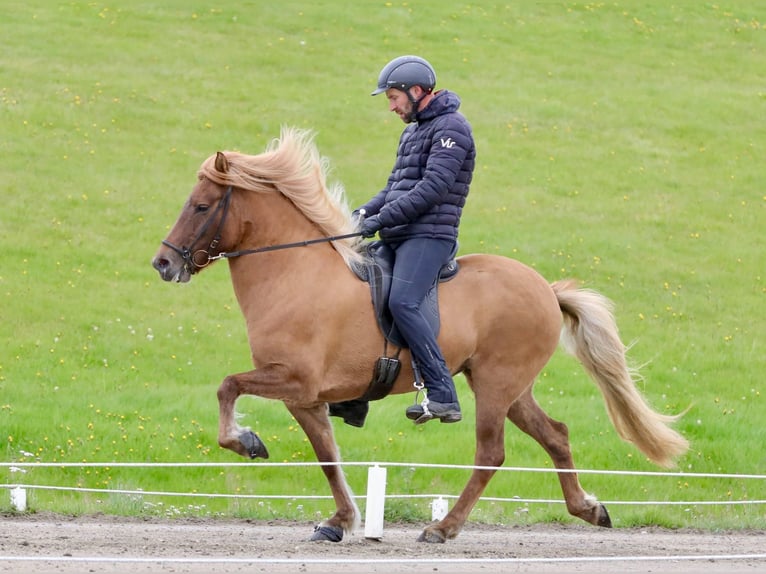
(273, 219)
(262, 278)
(265, 283)
(285, 289)
(269, 219)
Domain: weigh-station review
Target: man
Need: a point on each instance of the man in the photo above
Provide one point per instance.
(418, 213)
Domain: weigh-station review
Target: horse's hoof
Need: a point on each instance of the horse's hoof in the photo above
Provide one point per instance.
(253, 444)
(327, 533)
(432, 537)
(603, 517)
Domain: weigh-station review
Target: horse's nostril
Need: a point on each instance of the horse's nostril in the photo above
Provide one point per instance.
(161, 263)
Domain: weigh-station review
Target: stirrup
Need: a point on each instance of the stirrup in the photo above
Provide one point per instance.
(418, 411)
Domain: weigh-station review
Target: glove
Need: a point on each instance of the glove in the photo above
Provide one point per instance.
(369, 226)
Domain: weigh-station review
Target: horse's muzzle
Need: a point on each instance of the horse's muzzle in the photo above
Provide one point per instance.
(171, 267)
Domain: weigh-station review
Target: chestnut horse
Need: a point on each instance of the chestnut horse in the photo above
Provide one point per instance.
(314, 337)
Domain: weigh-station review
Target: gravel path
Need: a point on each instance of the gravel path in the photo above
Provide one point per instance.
(45, 544)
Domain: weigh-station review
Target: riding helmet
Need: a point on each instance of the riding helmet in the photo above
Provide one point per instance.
(404, 72)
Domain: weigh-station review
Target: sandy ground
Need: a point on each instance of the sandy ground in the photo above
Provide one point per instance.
(45, 544)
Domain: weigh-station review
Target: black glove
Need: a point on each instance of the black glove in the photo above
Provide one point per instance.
(370, 226)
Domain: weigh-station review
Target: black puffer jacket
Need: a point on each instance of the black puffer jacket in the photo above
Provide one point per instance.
(428, 186)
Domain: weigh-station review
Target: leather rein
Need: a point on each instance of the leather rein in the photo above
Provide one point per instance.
(196, 259)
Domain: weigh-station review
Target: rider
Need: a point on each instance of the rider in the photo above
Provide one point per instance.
(418, 214)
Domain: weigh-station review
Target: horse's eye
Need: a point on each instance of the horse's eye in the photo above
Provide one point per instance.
(202, 208)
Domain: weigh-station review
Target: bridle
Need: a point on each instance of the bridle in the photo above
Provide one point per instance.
(194, 260)
(188, 254)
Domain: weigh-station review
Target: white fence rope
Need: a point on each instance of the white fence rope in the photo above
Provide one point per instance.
(21, 466)
(375, 499)
(678, 474)
(514, 499)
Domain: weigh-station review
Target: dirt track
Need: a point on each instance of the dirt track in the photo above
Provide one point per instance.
(115, 545)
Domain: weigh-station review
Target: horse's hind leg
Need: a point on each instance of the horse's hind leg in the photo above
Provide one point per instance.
(490, 452)
(553, 436)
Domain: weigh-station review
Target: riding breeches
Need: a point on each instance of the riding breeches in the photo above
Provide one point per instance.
(416, 268)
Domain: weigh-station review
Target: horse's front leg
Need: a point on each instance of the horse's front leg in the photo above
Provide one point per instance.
(271, 382)
(315, 422)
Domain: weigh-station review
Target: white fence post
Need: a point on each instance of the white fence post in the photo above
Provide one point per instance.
(19, 499)
(439, 508)
(376, 501)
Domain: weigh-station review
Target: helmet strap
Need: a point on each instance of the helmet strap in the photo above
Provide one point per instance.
(413, 115)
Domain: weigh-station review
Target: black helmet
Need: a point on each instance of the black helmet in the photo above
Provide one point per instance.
(404, 72)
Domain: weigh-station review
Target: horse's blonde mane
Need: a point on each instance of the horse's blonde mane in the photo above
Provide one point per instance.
(292, 164)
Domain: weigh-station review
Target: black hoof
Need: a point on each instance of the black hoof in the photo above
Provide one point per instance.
(432, 537)
(603, 517)
(327, 533)
(253, 444)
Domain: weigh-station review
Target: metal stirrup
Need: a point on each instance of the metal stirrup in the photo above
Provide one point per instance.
(420, 387)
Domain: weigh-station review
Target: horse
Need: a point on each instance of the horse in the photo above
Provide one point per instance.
(292, 243)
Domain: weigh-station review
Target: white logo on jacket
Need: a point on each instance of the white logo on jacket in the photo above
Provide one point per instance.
(448, 143)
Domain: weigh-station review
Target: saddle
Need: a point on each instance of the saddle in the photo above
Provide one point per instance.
(378, 273)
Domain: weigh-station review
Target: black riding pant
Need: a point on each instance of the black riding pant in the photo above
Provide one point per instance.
(416, 267)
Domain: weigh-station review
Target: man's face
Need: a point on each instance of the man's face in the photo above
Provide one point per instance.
(399, 103)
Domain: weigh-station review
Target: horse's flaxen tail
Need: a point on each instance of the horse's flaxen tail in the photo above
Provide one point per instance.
(590, 334)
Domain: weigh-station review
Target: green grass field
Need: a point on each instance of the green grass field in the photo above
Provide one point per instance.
(619, 144)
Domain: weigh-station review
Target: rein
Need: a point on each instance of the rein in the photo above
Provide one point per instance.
(190, 256)
(229, 255)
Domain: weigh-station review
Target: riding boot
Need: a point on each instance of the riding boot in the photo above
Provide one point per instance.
(447, 411)
(353, 412)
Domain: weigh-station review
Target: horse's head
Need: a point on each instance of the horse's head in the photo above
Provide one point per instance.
(284, 188)
(199, 233)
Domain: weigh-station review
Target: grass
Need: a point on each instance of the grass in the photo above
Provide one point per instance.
(618, 144)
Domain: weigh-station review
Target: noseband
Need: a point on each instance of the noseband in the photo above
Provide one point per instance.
(188, 254)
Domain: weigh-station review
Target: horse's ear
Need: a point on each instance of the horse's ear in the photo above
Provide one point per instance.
(221, 163)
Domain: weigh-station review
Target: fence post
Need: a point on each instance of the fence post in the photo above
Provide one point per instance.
(439, 508)
(19, 499)
(376, 501)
